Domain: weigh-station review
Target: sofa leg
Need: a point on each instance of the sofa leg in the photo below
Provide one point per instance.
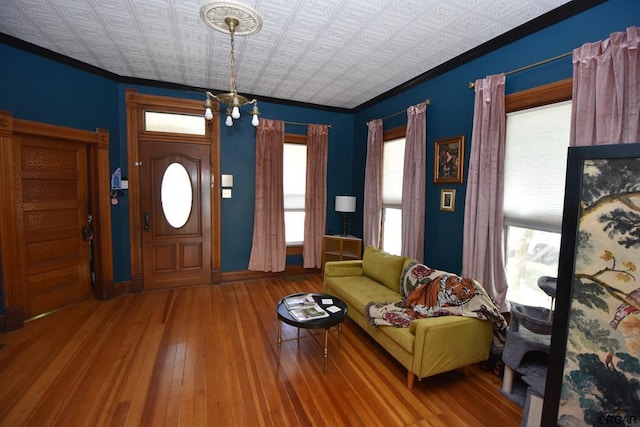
(410, 377)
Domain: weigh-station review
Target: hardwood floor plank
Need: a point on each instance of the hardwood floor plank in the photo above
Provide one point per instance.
(207, 356)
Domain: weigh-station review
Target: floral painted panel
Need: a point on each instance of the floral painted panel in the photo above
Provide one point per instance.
(601, 375)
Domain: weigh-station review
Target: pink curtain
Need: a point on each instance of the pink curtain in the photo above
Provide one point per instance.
(372, 206)
(606, 91)
(414, 182)
(268, 250)
(315, 204)
(483, 253)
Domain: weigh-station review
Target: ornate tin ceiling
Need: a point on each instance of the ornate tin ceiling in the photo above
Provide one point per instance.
(339, 53)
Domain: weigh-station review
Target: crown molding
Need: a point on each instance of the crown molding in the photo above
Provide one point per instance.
(543, 21)
(550, 18)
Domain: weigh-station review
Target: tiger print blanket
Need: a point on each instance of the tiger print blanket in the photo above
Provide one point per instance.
(429, 293)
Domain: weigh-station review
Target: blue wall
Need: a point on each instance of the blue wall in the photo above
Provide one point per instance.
(40, 89)
(451, 110)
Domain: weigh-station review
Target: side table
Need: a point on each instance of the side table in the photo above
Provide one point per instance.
(326, 323)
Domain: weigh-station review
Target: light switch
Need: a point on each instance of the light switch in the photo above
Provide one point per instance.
(226, 193)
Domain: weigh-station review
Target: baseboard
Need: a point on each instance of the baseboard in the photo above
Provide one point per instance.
(11, 319)
(219, 277)
(216, 276)
(135, 284)
(126, 287)
(241, 275)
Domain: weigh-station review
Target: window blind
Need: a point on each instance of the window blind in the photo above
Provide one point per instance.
(392, 167)
(294, 176)
(535, 165)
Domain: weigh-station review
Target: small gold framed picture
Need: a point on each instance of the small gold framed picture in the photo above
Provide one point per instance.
(447, 200)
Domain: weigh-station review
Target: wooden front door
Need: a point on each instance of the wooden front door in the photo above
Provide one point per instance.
(176, 251)
(55, 204)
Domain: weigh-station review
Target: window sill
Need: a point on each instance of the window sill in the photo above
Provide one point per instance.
(294, 249)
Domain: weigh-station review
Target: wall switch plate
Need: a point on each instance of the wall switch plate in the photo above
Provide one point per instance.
(227, 180)
(226, 193)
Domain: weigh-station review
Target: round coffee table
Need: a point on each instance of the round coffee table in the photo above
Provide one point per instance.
(326, 323)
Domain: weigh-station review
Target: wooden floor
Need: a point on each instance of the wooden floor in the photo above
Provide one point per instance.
(206, 356)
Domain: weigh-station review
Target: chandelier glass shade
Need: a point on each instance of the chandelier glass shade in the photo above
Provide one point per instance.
(233, 19)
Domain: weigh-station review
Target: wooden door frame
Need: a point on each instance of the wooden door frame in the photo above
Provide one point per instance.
(137, 104)
(11, 247)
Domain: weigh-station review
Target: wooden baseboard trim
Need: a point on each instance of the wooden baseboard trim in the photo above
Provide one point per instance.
(11, 319)
(13, 316)
(136, 284)
(240, 275)
(216, 276)
(123, 288)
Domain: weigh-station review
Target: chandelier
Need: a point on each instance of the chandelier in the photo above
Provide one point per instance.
(233, 19)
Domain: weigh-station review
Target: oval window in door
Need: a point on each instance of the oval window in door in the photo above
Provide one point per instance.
(176, 195)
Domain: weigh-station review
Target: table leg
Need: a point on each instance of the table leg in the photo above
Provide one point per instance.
(339, 334)
(326, 349)
(279, 339)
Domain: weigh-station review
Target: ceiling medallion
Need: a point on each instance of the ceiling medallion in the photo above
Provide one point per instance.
(233, 19)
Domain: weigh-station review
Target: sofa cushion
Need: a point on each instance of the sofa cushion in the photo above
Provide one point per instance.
(358, 291)
(401, 336)
(383, 267)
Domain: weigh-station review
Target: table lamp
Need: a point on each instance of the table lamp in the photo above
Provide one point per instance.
(346, 205)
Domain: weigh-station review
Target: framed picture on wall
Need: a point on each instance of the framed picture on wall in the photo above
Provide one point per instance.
(594, 361)
(447, 200)
(449, 160)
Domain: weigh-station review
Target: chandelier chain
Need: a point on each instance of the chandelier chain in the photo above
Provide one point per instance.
(232, 82)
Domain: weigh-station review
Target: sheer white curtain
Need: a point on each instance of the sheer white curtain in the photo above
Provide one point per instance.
(414, 183)
(268, 249)
(483, 247)
(372, 205)
(606, 90)
(315, 206)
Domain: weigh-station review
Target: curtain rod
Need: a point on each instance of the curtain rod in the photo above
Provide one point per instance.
(427, 101)
(526, 67)
(298, 123)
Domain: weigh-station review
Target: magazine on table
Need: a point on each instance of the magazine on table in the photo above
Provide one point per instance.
(310, 312)
(299, 301)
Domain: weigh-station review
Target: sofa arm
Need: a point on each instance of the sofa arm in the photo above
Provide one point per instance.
(449, 342)
(343, 268)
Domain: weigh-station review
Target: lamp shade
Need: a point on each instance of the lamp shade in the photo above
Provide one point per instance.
(345, 203)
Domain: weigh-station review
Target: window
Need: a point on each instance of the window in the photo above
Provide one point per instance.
(535, 163)
(294, 184)
(174, 123)
(392, 171)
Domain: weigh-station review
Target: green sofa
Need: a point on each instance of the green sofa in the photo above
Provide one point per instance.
(430, 345)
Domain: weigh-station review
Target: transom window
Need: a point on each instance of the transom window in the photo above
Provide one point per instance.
(174, 123)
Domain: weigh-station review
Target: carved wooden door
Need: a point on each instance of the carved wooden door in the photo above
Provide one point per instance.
(54, 201)
(176, 209)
